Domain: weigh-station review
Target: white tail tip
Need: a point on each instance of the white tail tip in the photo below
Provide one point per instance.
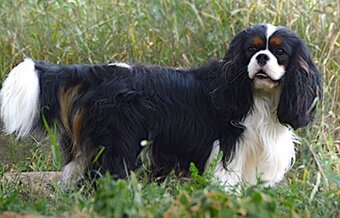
(19, 99)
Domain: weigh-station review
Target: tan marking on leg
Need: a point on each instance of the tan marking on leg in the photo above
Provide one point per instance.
(76, 130)
(67, 98)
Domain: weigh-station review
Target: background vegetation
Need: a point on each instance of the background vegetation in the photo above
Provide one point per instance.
(176, 33)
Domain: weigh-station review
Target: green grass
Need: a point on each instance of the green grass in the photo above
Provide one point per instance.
(175, 33)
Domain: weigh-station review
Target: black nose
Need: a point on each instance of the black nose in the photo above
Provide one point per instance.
(262, 59)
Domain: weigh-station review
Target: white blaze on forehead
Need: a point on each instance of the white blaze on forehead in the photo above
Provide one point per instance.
(270, 31)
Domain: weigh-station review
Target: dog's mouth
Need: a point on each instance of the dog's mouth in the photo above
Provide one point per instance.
(262, 75)
(263, 81)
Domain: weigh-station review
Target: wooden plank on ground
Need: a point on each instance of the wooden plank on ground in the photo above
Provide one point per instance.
(37, 179)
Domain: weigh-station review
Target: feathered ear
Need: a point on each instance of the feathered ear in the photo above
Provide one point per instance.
(233, 95)
(301, 89)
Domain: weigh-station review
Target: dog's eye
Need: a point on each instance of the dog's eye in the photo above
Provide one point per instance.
(252, 49)
(279, 51)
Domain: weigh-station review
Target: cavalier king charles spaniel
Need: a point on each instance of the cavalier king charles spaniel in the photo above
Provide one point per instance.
(118, 117)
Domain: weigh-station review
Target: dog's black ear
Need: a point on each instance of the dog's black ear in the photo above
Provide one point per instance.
(301, 89)
(233, 95)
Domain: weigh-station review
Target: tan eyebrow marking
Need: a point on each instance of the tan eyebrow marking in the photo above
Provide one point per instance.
(258, 42)
(276, 41)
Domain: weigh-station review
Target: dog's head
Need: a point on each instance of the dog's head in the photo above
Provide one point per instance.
(266, 59)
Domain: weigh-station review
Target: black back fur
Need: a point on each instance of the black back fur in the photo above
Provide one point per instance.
(181, 112)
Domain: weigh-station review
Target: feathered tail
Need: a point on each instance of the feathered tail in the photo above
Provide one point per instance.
(19, 99)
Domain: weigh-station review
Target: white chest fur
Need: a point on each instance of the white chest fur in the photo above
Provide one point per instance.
(266, 150)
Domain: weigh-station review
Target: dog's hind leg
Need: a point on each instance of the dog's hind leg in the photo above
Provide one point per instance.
(74, 171)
